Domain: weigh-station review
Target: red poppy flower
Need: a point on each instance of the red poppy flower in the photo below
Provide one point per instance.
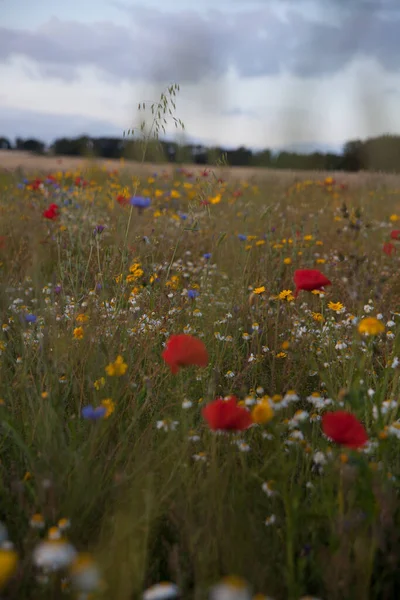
(389, 248)
(81, 181)
(227, 415)
(122, 200)
(344, 428)
(205, 173)
(35, 185)
(309, 280)
(52, 178)
(184, 350)
(395, 234)
(51, 212)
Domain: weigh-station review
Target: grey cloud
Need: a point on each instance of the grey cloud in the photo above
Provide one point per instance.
(187, 46)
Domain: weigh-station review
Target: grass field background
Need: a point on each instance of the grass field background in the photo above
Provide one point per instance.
(148, 489)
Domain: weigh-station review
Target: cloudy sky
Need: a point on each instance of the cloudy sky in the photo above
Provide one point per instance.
(262, 73)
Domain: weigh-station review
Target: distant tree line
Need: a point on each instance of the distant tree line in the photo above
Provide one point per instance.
(378, 154)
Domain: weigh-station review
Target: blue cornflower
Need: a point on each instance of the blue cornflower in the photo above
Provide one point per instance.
(140, 201)
(192, 294)
(183, 216)
(99, 229)
(207, 255)
(30, 318)
(93, 414)
(242, 237)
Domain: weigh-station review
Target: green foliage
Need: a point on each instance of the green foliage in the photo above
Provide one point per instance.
(150, 491)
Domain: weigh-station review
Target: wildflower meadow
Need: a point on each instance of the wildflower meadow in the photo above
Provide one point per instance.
(199, 384)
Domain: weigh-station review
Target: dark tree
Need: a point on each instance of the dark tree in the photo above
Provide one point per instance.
(5, 144)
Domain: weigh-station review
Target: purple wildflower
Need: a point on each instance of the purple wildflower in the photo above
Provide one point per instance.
(93, 414)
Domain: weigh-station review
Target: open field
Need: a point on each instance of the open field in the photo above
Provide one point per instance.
(255, 457)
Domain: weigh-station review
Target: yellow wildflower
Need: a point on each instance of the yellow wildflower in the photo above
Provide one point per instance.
(286, 295)
(262, 412)
(336, 306)
(133, 276)
(117, 368)
(109, 405)
(287, 261)
(134, 267)
(99, 383)
(82, 318)
(78, 333)
(136, 290)
(173, 283)
(8, 565)
(317, 316)
(394, 218)
(259, 290)
(371, 326)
